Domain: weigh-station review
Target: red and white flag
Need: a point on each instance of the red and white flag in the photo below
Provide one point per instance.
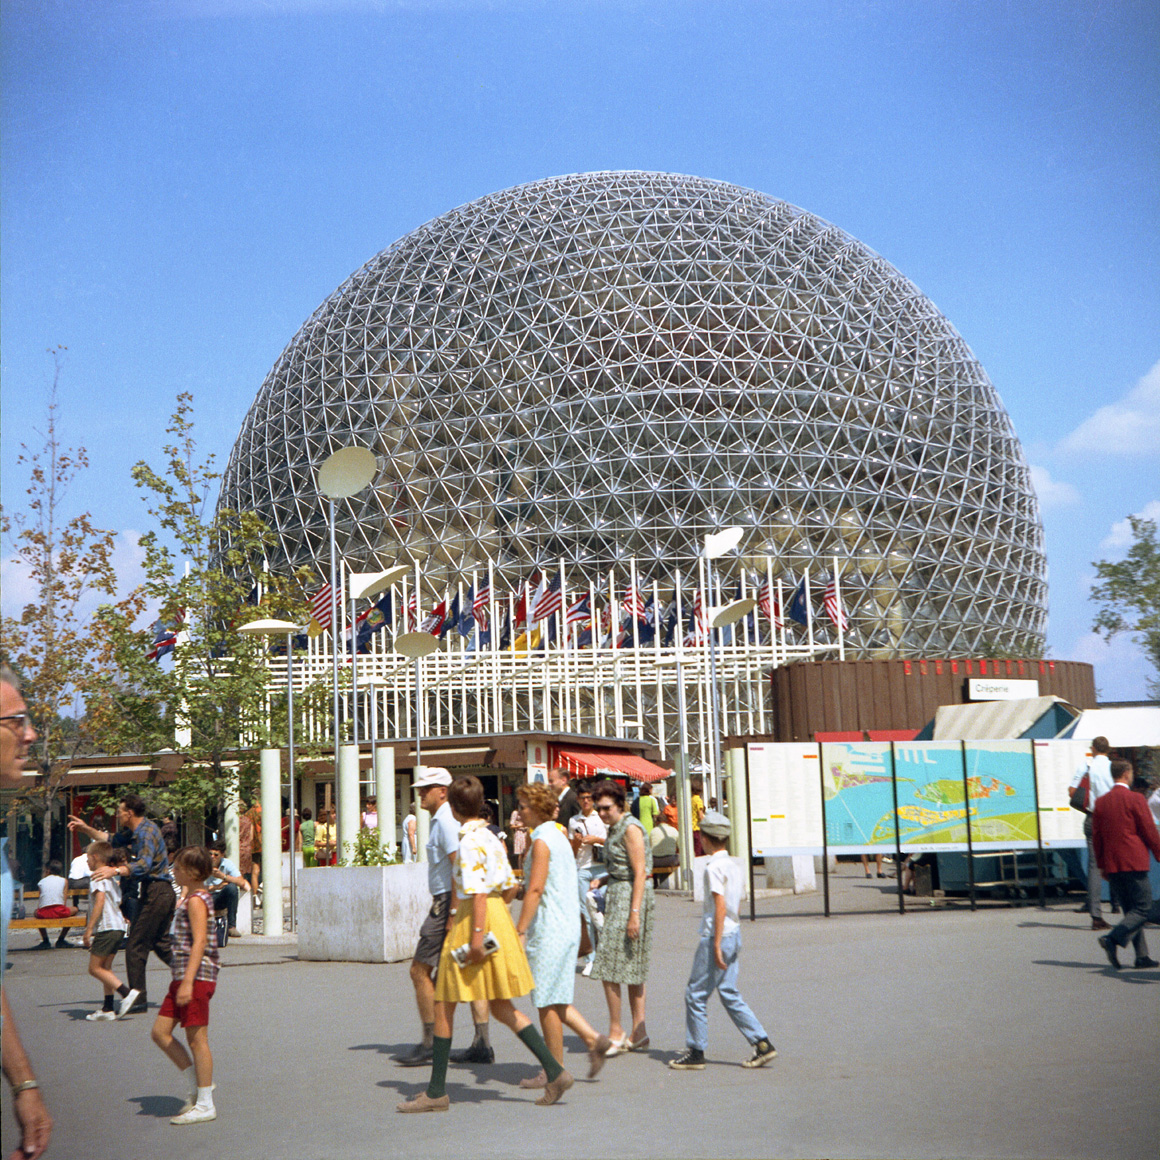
(767, 603)
(479, 606)
(834, 609)
(321, 604)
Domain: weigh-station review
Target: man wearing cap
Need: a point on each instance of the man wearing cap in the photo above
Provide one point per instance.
(442, 847)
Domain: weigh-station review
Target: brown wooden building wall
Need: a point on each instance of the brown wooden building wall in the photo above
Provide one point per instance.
(833, 696)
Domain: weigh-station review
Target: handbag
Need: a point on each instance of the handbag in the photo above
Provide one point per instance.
(1078, 797)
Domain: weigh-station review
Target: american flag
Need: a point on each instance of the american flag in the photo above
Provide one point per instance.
(549, 600)
(412, 612)
(697, 633)
(833, 609)
(320, 605)
(767, 602)
(480, 604)
(633, 603)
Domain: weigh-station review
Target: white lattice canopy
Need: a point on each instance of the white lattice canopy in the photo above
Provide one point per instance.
(610, 365)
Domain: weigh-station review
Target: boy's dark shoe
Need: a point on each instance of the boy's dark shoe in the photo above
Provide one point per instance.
(691, 1059)
(763, 1052)
(1145, 964)
(476, 1053)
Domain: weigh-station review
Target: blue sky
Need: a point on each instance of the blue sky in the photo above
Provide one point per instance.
(183, 182)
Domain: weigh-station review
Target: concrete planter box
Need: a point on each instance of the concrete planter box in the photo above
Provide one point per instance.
(361, 914)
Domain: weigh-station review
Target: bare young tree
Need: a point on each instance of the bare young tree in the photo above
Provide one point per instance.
(68, 562)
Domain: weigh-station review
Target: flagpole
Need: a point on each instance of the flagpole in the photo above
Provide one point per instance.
(353, 661)
(809, 614)
(781, 615)
(841, 616)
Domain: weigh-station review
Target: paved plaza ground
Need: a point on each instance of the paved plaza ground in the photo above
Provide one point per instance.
(940, 1033)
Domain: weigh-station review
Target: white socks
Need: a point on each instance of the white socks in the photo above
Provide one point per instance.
(205, 1097)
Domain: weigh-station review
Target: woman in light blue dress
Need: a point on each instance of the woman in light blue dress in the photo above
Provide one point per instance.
(550, 923)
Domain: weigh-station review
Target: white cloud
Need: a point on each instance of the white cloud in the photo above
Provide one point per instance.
(1122, 671)
(1119, 539)
(1052, 493)
(1130, 426)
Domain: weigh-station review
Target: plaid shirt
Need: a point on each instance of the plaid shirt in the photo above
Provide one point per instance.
(183, 941)
(147, 855)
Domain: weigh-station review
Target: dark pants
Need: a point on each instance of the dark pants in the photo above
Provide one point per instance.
(150, 931)
(227, 898)
(1134, 891)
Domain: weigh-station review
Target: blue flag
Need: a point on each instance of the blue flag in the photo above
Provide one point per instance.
(466, 625)
(797, 606)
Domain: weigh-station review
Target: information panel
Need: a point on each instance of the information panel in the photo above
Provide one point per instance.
(1056, 763)
(856, 779)
(1001, 793)
(931, 812)
(785, 798)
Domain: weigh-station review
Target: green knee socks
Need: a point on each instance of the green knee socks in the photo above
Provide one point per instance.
(441, 1052)
(534, 1042)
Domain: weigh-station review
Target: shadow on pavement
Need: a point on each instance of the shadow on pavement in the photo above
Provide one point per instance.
(159, 1107)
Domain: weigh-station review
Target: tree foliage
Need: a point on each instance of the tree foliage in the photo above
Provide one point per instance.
(1128, 593)
(69, 564)
(204, 572)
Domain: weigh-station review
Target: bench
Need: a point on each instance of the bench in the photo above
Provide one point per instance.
(37, 923)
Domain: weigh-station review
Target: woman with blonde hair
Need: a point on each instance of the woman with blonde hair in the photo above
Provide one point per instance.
(484, 885)
(550, 923)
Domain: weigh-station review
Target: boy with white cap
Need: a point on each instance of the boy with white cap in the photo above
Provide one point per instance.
(715, 966)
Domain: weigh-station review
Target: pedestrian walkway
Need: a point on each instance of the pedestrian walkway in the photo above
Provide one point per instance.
(999, 1033)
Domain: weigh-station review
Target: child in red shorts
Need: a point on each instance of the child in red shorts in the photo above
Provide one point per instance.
(195, 968)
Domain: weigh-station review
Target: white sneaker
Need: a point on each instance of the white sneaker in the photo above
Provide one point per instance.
(587, 972)
(126, 1004)
(195, 1115)
(100, 1016)
(191, 1103)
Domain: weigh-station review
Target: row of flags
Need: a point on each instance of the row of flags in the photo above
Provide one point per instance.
(638, 621)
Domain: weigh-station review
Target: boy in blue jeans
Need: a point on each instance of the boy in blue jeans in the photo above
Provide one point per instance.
(715, 966)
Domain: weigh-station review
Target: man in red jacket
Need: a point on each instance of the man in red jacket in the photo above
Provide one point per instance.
(1122, 834)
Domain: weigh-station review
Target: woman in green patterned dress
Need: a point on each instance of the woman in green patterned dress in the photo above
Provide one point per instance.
(622, 955)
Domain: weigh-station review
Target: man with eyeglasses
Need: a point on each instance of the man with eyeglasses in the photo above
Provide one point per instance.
(16, 735)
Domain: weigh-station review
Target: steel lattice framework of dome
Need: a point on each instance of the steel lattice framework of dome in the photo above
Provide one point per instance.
(609, 365)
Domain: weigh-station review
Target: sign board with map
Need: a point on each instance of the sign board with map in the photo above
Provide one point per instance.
(848, 789)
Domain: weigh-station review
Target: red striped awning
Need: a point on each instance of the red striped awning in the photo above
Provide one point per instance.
(602, 763)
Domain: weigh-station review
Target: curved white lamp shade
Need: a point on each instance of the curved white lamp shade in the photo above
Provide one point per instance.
(732, 613)
(268, 628)
(347, 472)
(364, 585)
(718, 543)
(416, 644)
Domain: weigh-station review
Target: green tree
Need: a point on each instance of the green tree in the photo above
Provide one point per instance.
(69, 564)
(203, 571)
(1128, 593)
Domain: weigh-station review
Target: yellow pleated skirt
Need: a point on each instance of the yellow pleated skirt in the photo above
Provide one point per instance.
(503, 975)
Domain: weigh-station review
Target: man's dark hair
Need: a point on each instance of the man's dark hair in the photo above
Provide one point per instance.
(465, 796)
(307, 814)
(1100, 745)
(219, 846)
(134, 803)
(1119, 768)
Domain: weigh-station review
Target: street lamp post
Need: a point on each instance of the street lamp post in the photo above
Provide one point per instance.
(717, 544)
(343, 474)
(278, 628)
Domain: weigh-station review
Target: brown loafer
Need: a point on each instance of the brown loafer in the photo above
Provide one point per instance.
(597, 1055)
(534, 1082)
(554, 1090)
(424, 1103)
(1099, 924)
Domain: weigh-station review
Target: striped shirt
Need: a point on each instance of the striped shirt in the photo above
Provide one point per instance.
(183, 940)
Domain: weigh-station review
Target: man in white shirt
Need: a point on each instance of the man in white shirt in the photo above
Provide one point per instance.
(1099, 774)
(587, 833)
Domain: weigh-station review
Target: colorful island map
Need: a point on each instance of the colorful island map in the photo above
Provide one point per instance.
(934, 803)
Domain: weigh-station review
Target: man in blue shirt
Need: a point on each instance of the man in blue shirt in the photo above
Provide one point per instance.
(149, 867)
(442, 847)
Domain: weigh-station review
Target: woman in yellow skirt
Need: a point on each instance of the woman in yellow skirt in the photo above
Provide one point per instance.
(484, 885)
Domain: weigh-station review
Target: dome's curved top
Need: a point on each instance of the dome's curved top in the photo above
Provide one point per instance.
(608, 365)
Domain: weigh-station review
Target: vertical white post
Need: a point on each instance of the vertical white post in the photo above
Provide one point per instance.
(422, 824)
(809, 612)
(270, 766)
(347, 798)
(738, 807)
(230, 825)
(385, 792)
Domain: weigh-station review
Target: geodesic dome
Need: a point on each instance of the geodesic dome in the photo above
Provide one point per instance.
(609, 365)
